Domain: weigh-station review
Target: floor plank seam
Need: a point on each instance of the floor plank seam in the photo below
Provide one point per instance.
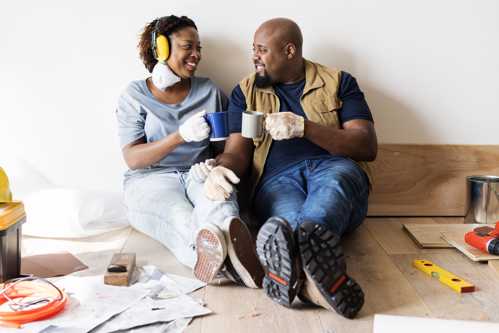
(372, 235)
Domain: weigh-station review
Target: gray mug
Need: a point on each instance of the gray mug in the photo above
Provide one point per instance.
(252, 124)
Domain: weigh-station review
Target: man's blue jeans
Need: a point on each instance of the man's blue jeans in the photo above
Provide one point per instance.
(331, 191)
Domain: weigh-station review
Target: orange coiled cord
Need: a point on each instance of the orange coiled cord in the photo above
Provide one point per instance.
(24, 293)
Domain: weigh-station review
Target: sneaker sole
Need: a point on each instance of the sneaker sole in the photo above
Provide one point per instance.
(324, 266)
(241, 252)
(211, 254)
(277, 254)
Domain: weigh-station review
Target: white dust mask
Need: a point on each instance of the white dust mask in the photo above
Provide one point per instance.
(163, 77)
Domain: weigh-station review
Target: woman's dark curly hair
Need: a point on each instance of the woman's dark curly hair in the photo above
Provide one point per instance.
(166, 26)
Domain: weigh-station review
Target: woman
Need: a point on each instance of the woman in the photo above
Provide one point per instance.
(163, 133)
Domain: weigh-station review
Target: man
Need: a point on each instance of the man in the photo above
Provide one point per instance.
(309, 175)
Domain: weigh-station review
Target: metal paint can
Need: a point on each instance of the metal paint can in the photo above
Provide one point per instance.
(482, 199)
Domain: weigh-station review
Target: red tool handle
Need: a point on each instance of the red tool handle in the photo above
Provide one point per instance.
(487, 244)
(479, 242)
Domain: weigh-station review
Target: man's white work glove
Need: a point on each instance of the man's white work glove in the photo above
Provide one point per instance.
(195, 128)
(200, 171)
(219, 183)
(285, 125)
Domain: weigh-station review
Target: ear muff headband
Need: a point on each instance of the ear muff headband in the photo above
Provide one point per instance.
(160, 44)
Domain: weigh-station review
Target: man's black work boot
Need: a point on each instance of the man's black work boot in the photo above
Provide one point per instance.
(278, 253)
(327, 283)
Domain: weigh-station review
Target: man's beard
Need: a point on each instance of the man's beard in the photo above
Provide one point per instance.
(263, 81)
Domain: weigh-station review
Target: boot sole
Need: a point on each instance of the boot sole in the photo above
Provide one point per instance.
(324, 265)
(277, 254)
(242, 255)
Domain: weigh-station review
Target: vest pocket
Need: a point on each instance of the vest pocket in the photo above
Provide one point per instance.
(330, 118)
(322, 110)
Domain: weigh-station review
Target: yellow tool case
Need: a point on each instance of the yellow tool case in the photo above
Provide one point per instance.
(12, 216)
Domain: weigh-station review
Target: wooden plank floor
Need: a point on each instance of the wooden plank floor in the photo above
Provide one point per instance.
(379, 256)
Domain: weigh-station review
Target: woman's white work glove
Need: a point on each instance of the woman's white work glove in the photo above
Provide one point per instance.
(200, 171)
(195, 128)
(285, 125)
(220, 183)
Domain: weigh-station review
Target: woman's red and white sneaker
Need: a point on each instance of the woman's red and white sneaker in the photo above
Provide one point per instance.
(211, 251)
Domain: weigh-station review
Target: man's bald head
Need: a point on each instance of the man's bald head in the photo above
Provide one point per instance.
(282, 30)
(277, 52)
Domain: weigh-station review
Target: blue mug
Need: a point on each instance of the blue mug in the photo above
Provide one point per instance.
(219, 124)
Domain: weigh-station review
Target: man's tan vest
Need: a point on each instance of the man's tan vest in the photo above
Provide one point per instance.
(319, 102)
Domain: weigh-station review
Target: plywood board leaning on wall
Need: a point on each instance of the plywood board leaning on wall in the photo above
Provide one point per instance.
(427, 180)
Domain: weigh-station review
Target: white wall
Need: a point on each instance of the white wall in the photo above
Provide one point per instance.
(429, 69)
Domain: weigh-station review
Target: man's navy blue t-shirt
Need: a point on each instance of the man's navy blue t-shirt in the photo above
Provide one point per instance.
(284, 153)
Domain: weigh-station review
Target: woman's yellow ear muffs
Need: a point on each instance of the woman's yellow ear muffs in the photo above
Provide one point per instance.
(162, 48)
(160, 45)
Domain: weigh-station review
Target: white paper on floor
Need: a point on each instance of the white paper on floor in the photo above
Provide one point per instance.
(176, 326)
(166, 301)
(91, 303)
(155, 298)
(150, 276)
(149, 311)
(395, 324)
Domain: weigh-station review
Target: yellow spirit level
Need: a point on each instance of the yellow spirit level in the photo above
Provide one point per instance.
(456, 283)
